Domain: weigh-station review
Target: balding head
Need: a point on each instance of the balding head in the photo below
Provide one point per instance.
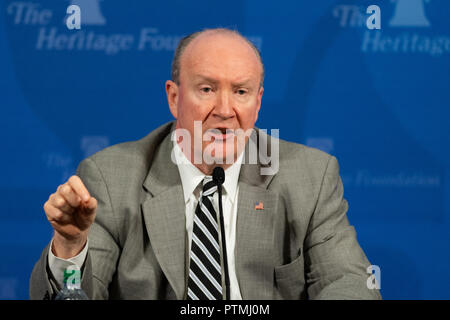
(210, 35)
(215, 93)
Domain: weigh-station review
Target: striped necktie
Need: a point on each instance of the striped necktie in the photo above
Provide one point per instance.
(205, 273)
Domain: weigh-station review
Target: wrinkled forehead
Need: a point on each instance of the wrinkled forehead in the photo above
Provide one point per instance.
(218, 53)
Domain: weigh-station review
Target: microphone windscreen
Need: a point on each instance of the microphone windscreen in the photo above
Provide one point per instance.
(218, 175)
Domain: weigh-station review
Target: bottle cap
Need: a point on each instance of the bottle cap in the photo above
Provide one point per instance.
(72, 277)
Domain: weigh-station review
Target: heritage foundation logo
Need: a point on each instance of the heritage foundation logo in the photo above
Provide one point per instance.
(397, 38)
(409, 13)
(54, 36)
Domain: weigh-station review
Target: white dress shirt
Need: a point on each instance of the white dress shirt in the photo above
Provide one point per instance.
(191, 178)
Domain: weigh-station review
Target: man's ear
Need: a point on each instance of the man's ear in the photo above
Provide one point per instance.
(258, 102)
(172, 97)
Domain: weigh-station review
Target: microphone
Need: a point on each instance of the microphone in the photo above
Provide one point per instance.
(219, 178)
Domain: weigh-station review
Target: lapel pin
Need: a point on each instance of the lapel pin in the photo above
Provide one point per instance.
(259, 206)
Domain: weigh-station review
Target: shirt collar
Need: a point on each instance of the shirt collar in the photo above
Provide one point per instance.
(191, 176)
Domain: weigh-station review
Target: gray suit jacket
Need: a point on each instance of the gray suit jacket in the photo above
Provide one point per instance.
(300, 246)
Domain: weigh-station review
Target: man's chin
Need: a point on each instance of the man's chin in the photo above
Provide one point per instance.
(220, 161)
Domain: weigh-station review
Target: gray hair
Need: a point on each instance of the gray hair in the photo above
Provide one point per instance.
(184, 42)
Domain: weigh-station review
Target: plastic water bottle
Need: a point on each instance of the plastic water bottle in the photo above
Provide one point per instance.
(72, 285)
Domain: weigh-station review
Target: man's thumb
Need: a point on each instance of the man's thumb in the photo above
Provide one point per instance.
(91, 205)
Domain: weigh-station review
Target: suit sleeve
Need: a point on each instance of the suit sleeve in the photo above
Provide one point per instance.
(335, 263)
(103, 253)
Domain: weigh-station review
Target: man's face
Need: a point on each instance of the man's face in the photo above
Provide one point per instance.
(219, 86)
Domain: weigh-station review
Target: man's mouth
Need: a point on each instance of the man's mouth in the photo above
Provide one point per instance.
(220, 134)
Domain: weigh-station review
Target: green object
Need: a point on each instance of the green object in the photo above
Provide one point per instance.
(72, 278)
(72, 285)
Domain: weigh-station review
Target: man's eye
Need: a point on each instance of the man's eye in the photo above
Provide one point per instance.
(206, 90)
(241, 92)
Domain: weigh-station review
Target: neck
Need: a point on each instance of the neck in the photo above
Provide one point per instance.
(208, 168)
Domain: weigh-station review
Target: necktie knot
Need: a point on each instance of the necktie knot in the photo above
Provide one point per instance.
(209, 186)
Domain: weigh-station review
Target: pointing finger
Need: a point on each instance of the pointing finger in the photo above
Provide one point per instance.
(69, 195)
(79, 188)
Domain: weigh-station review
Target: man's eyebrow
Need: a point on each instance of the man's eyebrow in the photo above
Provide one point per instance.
(240, 83)
(205, 78)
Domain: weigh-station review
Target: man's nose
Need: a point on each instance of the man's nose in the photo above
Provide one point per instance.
(224, 106)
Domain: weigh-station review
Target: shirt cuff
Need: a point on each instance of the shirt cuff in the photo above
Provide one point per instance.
(58, 265)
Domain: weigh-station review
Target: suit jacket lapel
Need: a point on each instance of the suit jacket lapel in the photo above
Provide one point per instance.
(254, 242)
(163, 209)
(255, 228)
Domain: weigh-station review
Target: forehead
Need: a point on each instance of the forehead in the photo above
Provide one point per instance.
(220, 55)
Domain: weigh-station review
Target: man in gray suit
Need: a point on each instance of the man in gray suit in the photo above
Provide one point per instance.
(141, 219)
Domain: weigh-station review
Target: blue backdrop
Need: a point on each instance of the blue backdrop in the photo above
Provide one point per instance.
(376, 99)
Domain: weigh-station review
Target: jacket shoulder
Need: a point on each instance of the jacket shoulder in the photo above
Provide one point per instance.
(297, 162)
(135, 155)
